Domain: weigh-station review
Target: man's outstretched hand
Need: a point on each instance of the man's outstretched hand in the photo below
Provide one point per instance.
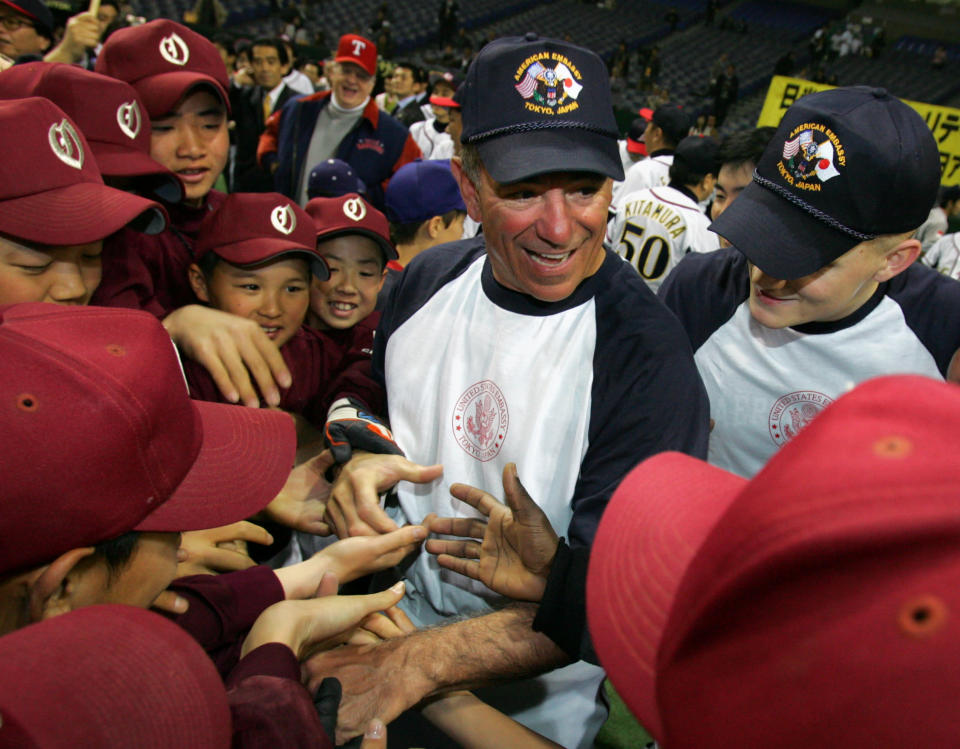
(517, 543)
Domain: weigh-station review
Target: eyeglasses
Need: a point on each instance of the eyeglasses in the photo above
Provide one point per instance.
(12, 23)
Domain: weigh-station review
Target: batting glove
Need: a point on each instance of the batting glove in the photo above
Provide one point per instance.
(349, 427)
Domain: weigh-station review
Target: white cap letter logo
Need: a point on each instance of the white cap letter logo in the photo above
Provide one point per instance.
(128, 118)
(65, 144)
(283, 219)
(174, 50)
(354, 209)
(358, 47)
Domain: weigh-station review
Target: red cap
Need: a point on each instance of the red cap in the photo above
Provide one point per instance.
(113, 676)
(444, 101)
(351, 214)
(817, 602)
(254, 227)
(358, 50)
(646, 113)
(108, 112)
(101, 437)
(163, 61)
(50, 188)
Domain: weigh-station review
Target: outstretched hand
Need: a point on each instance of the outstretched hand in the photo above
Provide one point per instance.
(517, 543)
(302, 502)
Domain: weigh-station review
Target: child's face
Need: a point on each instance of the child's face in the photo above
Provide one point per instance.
(275, 296)
(193, 142)
(39, 273)
(356, 277)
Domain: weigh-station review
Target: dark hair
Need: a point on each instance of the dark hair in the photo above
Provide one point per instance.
(207, 262)
(745, 147)
(404, 233)
(681, 173)
(419, 74)
(117, 552)
(276, 44)
(949, 195)
(224, 40)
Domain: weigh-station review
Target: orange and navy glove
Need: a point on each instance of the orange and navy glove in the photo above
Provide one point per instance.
(350, 427)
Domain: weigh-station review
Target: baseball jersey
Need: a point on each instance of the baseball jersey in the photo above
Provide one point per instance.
(944, 256)
(434, 144)
(933, 228)
(654, 228)
(575, 392)
(653, 171)
(766, 384)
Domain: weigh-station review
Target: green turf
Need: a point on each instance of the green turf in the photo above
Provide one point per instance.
(621, 731)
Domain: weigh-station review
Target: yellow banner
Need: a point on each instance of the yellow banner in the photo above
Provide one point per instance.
(943, 121)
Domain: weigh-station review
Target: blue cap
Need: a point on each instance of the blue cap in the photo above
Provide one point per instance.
(333, 178)
(534, 106)
(421, 190)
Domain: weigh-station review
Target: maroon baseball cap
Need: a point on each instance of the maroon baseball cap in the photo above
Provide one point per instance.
(163, 61)
(50, 188)
(102, 438)
(253, 228)
(817, 602)
(358, 50)
(146, 673)
(351, 214)
(108, 112)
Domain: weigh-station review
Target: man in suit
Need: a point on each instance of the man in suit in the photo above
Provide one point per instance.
(252, 105)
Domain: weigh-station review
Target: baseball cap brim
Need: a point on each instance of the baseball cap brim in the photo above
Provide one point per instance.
(245, 459)
(781, 239)
(646, 113)
(511, 158)
(389, 250)
(636, 146)
(649, 534)
(444, 101)
(160, 93)
(357, 62)
(262, 250)
(78, 214)
(117, 161)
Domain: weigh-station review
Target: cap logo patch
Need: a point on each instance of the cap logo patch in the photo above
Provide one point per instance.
(548, 90)
(358, 46)
(65, 144)
(174, 50)
(128, 118)
(811, 155)
(283, 218)
(354, 209)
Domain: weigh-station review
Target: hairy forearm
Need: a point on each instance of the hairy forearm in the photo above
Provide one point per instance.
(496, 647)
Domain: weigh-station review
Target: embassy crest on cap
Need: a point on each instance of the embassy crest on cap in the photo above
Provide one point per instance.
(65, 144)
(129, 119)
(174, 50)
(283, 219)
(354, 209)
(811, 155)
(549, 82)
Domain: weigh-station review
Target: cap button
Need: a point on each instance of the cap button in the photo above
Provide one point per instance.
(880, 93)
(531, 36)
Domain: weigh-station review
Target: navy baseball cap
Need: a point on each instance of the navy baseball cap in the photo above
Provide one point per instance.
(699, 153)
(333, 178)
(673, 121)
(533, 106)
(421, 190)
(845, 166)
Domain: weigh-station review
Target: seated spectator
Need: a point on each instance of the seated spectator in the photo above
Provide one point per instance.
(26, 28)
(937, 223)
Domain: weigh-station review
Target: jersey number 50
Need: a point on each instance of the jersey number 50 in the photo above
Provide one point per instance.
(654, 255)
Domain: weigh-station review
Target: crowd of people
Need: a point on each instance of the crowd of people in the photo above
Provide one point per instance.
(310, 336)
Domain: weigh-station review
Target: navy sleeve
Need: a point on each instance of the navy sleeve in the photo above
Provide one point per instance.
(931, 306)
(704, 291)
(647, 396)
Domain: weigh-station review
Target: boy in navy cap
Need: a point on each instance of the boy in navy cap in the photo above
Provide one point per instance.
(819, 290)
(332, 178)
(529, 345)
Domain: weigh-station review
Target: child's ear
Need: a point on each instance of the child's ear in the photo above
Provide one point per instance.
(60, 586)
(435, 226)
(198, 283)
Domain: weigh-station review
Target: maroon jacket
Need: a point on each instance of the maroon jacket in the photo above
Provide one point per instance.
(150, 272)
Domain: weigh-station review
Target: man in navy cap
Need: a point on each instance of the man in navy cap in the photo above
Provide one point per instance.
(529, 350)
(26, 28)
(819, 290)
